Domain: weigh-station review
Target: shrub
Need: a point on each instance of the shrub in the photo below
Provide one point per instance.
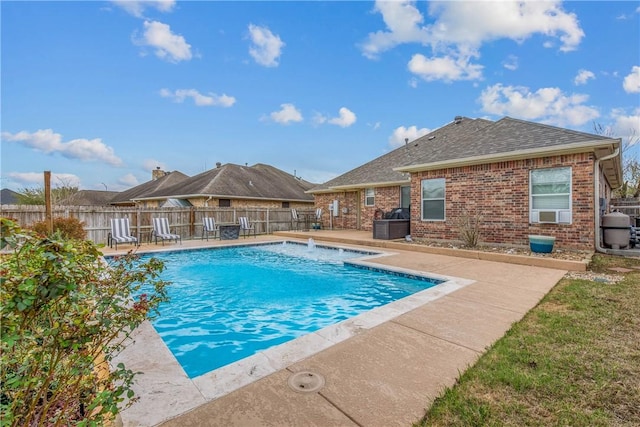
(469, 228)
(68, 228)
(63, 310)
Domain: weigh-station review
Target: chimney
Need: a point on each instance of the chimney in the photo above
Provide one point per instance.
(218, 164)
(157, 173)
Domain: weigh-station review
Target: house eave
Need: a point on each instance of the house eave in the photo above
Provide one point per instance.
(598, 147)
(361, 185)
(218, 196)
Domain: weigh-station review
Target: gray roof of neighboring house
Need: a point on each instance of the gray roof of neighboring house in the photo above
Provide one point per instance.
(8, 197)
(232, 181)
(168, 180)
(469, 141)
(89, 198)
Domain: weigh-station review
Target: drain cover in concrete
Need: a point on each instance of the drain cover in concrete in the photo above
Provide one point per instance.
(306, 382)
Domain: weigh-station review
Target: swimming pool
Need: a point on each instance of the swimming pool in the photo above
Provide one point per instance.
(230, 303)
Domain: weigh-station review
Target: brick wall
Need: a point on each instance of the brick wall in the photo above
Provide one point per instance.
(499, 193)
(351, 200)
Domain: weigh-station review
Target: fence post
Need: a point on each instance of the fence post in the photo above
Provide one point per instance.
(48, 216)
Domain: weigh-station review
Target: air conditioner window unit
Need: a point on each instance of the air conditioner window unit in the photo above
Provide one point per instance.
(548, 216)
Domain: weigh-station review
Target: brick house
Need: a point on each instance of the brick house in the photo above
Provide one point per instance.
(228, 185)
(517, 177)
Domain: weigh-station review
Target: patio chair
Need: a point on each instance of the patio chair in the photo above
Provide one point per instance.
(209, 226)
(317, 224)
(246, 227)
(161, 230)
(120, 233)
(295, 219)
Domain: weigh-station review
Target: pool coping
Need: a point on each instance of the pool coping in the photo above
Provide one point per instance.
(165, 391)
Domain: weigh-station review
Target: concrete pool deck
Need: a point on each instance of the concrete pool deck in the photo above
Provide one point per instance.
(384, 374)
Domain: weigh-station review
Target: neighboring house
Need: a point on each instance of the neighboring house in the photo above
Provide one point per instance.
(517, 177)
(89, 198)
(235, 186)
(159, 180)
(9, 197)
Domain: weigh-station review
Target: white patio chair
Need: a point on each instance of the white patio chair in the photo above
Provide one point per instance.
(317, 225)
(209, 226)
(295, 219)
(120, 233)
(161, 230)
(246, 227)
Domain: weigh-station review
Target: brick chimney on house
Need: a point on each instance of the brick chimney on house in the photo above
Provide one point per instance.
(157, 173)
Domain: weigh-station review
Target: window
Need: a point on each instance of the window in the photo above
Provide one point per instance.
(405, 196)
(550, 195)
(369, 197)
(285, 204)
(224, 203)
(433, 199)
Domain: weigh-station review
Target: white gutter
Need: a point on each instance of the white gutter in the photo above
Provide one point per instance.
(596, 192)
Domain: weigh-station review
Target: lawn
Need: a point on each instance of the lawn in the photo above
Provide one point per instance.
(574, 360)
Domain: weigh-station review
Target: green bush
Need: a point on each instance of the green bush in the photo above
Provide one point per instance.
(67, 228)
(63, 311)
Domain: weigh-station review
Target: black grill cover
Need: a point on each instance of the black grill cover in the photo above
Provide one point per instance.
(398, 213)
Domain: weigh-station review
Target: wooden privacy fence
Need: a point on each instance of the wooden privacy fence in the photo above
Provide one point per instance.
(184, 221)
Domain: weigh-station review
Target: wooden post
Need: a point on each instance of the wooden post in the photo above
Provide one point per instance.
(47, 201)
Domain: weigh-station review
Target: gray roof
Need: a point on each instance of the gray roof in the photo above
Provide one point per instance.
(380, 171)
(168, 180)
(467, 141)
(232, 181)
(505, 136)
(9, 197)
(89, 198)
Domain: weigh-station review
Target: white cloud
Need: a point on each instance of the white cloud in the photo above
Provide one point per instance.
(631, 82)
(200, 100)
(626, 125)
(288, 113)
(129, 180)
(583, 76)
(137, 7)
(458, 30)
(444, 68)
(511, 63)
(36, 179)
(46, 141)
(473, 23)
(266, 47)
(397, 139)
(548, 105)
(403, 21)
(345, 119)
(168, 46)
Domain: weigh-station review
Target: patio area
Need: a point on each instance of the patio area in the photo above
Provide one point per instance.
(383, 372)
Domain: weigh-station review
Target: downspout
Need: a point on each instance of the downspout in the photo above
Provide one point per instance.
(596, 192)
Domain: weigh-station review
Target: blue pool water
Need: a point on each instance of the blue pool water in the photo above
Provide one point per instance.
(230, 303)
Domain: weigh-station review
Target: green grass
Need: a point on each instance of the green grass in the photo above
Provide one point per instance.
(574, 360)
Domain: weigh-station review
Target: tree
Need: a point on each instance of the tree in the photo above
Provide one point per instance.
(630, 163)
(35, 195)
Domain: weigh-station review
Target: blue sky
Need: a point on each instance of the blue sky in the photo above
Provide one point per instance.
(100, 93)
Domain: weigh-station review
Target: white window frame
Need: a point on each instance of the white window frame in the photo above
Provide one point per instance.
(434, 199)
(369, 196)
(550, 214)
